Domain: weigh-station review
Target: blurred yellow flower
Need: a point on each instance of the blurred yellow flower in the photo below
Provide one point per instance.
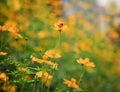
(54, 65)
(46, 78)
(114, 35)
(3, 77)
(40, 61)
(60, 26)
(23, 69)
(34, 59)
(71, 83)
(105, 18)
(9, 88)
(45, 57)
(85, 62)
(53, 53)
(65, 46)
(42, 34)
(11, 27)
(3, 53)
(27, 76)
(39, 74)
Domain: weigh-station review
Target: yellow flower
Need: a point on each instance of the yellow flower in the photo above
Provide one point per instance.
(45, 57)
(23, 69)
(3, 28)
(53, 53)
(3, 77)
(89, 65)
(114, 35)
(40, 61)
(60, 26)
(39, 74)
(34, 59)
(27, 76)
(46, 78)
(71, 83)
(54, 65)
(9, 88)
(3, 53)
(11, 27)
(42, 34)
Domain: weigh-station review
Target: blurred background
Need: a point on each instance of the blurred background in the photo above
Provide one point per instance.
(94, 32)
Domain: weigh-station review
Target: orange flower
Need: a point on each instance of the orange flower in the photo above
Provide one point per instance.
(54, 65)
(3, 28)
(39, 74)
(34, 59)
(71, 83)
(60, 26)
(27, 76)
(23, 69)
(46, 78)
(3, 77)
(11, 27)
(89, 65)
(45, 57)
(42, 34)
(3, 53)
(53, 53)
(9, 88)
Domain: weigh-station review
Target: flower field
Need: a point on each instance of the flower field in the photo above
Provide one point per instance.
(47, 47)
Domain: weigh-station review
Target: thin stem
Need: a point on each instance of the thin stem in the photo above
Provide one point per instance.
(34, 85)
(22, 89)
(1, 42)
(6, 86)
(82, 73)
(42, 87)
(48, 89)
(70, 90)
(58, 40)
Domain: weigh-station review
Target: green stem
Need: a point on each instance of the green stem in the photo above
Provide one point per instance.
(22, 89)
(42, 89)
(82, 73)
(1, 42)
(6, 86)
(58, 40)
(48, 89)
(70, 90)
(34, 85)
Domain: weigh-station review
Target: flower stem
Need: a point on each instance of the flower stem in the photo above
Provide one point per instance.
(58, 41)
(82, 73)
(34, 86)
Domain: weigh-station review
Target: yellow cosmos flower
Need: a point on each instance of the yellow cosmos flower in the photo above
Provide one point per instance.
(54, 65)
(60, 26)
(3, 77)
(3, 53)
(11, 27)
(27, 76)
(39, 74)
(46, 78)
(34, 59)
(23, 69)
(89, 65)
(9, 88)
(71, 83)
(42, 34)
(41, 61)
(53, 53)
